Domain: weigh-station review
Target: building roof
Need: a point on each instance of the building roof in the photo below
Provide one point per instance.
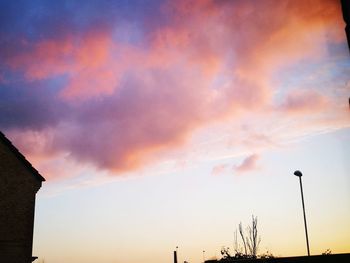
(21, 157)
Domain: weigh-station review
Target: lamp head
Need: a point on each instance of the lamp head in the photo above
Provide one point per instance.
(298, 173)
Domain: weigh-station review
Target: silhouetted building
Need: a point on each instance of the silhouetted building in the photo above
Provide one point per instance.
(19, 183)
(346, 15)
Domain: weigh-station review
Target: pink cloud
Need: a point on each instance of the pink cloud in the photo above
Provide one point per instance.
(89, 63)
(248, 164)
(304, 101)
(219, 169)
(214, 59)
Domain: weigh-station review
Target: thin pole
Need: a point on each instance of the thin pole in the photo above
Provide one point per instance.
(175, 256)
(302, 200)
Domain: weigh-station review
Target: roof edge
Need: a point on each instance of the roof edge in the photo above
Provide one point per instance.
(21, 157)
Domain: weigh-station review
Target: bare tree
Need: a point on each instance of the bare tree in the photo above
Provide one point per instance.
(236, 247)
(225, 252)
(250, 240)
(242, 236)
(253, 240)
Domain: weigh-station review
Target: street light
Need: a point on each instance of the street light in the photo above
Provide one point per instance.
(203, 256)
(299, 174)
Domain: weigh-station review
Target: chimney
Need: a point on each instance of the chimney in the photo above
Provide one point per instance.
(175, 257)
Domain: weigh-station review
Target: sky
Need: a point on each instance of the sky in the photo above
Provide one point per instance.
(160, 124)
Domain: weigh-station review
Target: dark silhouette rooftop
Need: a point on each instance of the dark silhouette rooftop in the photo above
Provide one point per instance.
(21, 157)
(19, 183)
(346, 15)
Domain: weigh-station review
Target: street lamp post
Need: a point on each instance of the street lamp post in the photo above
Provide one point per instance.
(299, 174)
(203, 256)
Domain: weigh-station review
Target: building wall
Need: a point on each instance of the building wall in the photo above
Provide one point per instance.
(17, 203)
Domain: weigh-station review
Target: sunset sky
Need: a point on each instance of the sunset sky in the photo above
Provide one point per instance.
(166, 123)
